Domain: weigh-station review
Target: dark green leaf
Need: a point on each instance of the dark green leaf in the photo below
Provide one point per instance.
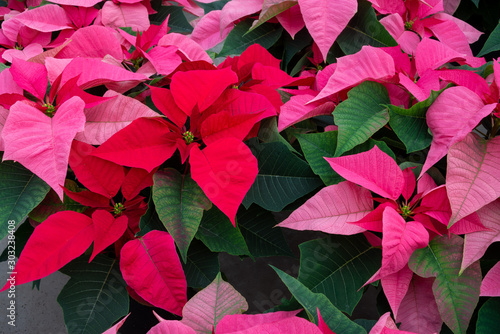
(285, 305)
(361, 115)
(268, 133)
(179, 202)
(334, 53)
(257, 227)
(95, 296)
(177, 21)
(201, 267)
(129, 30)
(366, 324)
(239, 40)
(150, 220)
(484, 70)
(393, 142)
(364, 29)
(272, 11)
(22, 234)
(219, 235)
(488, 320)
(294, 45)
(410, 125)
(333, 317)
(492, 43)
(368, 145)
(301, 63)
(306, 126)
(456, 295)
(52, 204)
(216, 5)
(282, 178)
(3, 67)
(476, 2)
(20, 192)
(316, 146)
(337, 267)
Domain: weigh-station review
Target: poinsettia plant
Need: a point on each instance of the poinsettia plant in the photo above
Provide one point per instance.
(142, 139)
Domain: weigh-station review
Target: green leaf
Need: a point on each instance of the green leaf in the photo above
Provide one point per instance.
(333, 317)
(316, 146)
(216, 5)
(410, 125)
(257, 227)
(219, 235)
(239, 40)
(130, 31)
(456, 296)
(272, 11)
(488, 320)
(364, 29)
(20, 192)
(201, 267)
(22, 234)
(268, 133)
(179, 202)
(177, 21)
(301, 63)
(368, 145)
(52, 203)
(492, 43)
(95, 296)
(294, 45)
(484, 70)
(3, 67)
(150, 220)
(476, 2)
(282, 178)
(337, 267)
(361, 115)
(366, 324)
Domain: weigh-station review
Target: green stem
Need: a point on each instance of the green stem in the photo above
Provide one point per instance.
(495, 127)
